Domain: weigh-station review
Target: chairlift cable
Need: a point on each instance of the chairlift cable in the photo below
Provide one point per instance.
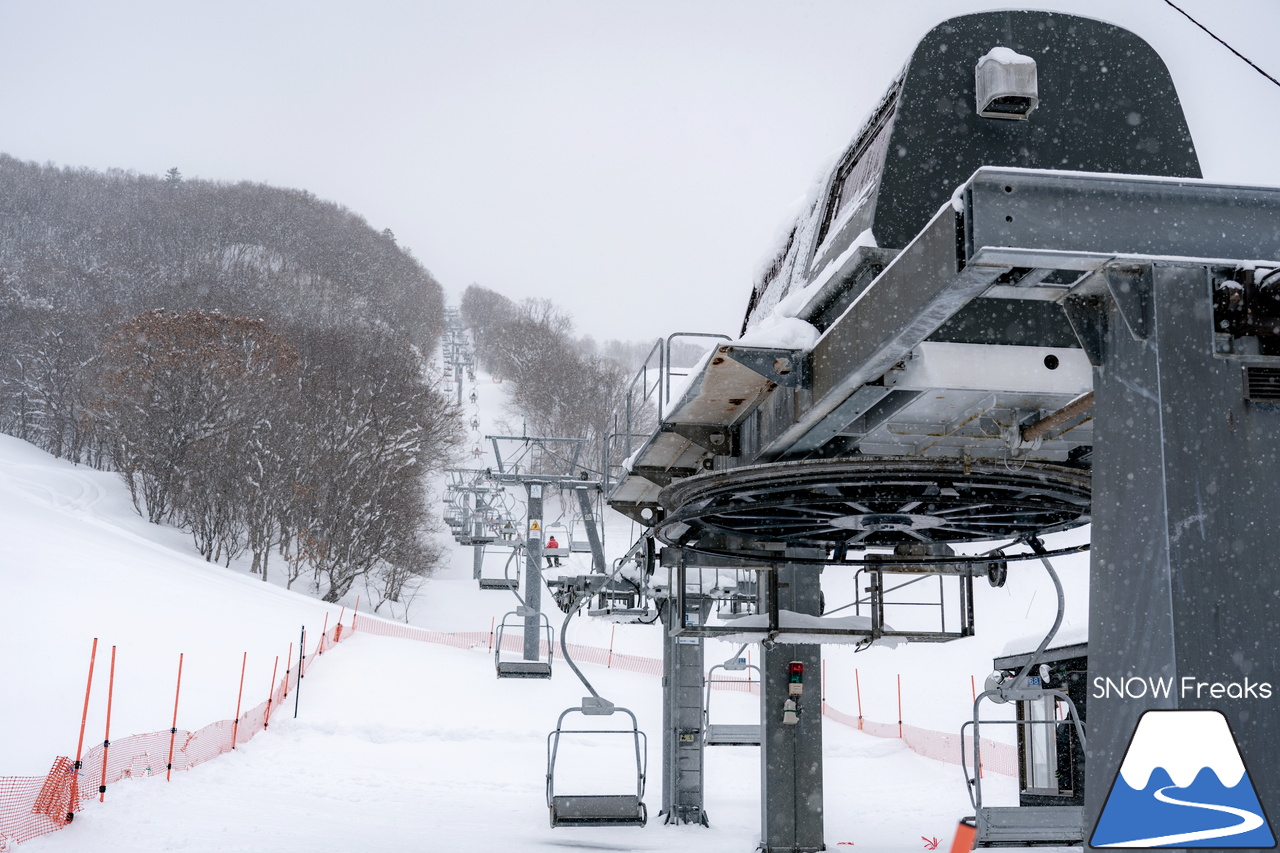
(1222, 42)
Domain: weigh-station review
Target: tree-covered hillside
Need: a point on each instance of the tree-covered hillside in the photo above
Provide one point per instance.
(249, 359)
(563, 387)
(117, 244)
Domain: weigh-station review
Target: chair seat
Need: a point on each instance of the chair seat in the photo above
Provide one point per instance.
(497, 583)
(524, 669)
(732, 735)
(598, 810)
(1061, 824)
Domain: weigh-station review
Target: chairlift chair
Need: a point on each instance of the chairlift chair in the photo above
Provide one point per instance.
(482, 527)
(560, 533)
(999, 826)
(505, 580)
(616, 809)
(578, 544)
(729, 734)
(522, 668)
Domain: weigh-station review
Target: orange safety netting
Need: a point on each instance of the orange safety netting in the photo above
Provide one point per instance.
(31, 806)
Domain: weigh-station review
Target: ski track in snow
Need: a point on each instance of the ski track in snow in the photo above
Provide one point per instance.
(71, 492)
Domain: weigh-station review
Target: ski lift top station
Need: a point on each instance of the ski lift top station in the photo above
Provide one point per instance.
(1029, 313)
(1013, 309)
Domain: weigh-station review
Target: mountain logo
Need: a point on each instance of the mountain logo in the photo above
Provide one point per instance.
(1182, 783)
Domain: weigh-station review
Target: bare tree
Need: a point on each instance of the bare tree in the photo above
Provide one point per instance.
(564, 388)
(183, 394)
(380, 431)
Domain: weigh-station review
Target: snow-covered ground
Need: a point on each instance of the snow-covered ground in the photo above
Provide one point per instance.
(400, 744)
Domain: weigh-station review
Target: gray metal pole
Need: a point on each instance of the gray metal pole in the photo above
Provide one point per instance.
(1183, 564)
(682, 747)
(533, 573)
(593, 532)
(791, 754)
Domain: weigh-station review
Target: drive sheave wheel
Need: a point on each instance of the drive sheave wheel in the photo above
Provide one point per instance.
(876, 502)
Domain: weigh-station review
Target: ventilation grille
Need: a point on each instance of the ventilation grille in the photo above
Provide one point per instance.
(1262, 384)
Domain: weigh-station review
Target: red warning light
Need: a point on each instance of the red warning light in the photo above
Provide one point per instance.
(795, 678)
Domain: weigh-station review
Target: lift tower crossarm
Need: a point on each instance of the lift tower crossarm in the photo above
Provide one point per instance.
(702, 421)
(1005, 230)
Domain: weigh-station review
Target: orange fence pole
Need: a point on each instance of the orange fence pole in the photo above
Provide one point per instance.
(337, 629)
(355, 613)
(491, 622)
(323, 629)
(288, 670)
(84, 718)
(858, 683)
(235, 727)
(173, 731)
(823, 687)
(272, 694)
(302, 658)
(106, 737)
(899, 705)
(612, 631)
(973, 691)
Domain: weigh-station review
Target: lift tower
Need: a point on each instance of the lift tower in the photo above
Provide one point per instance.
(536, 464)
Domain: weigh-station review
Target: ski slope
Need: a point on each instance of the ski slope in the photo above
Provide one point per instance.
(399, 744)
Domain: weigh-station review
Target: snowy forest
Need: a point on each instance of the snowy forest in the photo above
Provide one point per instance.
(564, 387)
(252, 361)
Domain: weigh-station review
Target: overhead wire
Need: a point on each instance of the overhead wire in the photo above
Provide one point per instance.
(1221, 41)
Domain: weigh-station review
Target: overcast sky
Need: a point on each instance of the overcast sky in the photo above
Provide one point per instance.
(632, 161)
